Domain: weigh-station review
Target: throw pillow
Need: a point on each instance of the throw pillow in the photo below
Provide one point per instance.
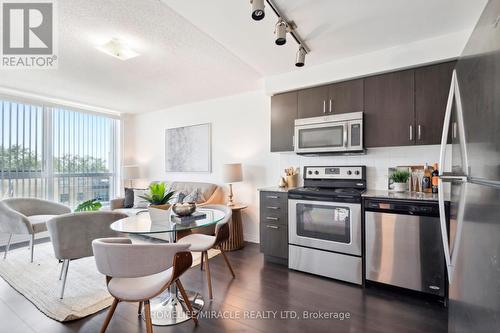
(138, 201)
(192, 197)
(129, 198)
(178, 197)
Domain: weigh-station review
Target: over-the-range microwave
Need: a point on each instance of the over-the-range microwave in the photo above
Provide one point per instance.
(339, 133)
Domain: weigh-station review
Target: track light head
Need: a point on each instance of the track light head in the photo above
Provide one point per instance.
(258, 12)
(301, 57)
(280, 32)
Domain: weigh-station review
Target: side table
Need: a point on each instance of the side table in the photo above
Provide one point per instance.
(235, 241)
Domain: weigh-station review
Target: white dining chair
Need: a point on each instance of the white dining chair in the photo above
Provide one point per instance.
(202, 243)
(140, 272)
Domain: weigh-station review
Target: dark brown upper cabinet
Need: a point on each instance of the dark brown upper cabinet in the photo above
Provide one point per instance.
(389, 110)
(313, 102)
(335, 98)
(283, 115)
(345, 97)
(432, 85)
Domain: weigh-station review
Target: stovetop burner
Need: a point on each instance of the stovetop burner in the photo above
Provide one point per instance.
(329, 183)
(352, 192)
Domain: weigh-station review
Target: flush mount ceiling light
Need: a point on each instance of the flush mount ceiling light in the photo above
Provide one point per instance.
(257, 9)
(301, 57)
(118, 49)
(283, 26)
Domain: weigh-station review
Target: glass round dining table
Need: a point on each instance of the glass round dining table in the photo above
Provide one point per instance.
(168, 308)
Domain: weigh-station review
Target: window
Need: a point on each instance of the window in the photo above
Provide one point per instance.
(56, 153)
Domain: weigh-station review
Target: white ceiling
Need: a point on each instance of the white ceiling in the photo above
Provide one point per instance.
(332, 29)
(178, 63)
(199, 49)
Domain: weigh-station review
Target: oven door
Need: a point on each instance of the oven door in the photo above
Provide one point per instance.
(330, 226)
(321, 138)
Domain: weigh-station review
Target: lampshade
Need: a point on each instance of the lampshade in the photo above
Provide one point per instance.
(130, 172)
(232, 173)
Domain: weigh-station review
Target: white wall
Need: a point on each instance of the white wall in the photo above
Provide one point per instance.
(377, 161)
(421, 52)
(240, 133)
(241, 126)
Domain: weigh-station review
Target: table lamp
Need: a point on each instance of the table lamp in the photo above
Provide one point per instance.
(130, 173)
(232, 174)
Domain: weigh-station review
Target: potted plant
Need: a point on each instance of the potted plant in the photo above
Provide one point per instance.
(158, 196)
(91, 205)
(400, 179)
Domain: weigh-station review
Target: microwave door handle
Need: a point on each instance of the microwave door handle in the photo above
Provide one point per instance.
(345, 135)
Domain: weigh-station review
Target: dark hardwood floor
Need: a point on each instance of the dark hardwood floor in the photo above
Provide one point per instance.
(258, 286)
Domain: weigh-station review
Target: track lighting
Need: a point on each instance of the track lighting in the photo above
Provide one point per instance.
(280, 32)
(301, 57)
(257, 9)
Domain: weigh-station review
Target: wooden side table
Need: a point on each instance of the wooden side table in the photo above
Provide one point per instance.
(235, 241)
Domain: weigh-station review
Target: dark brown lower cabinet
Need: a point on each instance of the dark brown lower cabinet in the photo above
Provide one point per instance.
(274, 226)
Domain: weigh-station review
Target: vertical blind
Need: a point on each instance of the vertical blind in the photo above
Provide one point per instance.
(56, 153)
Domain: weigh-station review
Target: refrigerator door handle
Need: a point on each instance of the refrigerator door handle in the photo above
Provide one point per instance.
(450, 255)
(444, 229)
(454, 94)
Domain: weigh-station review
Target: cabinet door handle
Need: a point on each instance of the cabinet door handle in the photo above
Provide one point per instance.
(272, 218)
(324, 106)
(419, 132)
(272, 197)
(273, 207)
(411, 132)
(454, 130)
(330, 105)
(272, 226)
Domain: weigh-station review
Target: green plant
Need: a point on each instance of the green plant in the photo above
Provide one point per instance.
(158, 194)
(88, 206)
(400, 176)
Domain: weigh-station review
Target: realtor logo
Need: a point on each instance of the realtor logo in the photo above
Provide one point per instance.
(28, 34)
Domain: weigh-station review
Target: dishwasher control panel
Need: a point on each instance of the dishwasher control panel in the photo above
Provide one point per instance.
(412, 208)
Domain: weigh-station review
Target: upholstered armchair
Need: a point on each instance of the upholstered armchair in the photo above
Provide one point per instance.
(72, 236)
(27, 216)
(140, 272)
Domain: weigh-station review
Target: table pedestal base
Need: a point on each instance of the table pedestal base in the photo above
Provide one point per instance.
(170, 309)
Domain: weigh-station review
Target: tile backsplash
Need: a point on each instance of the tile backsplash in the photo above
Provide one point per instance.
(377, 161)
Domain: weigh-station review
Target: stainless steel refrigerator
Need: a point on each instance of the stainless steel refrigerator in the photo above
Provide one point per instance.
(472, 123)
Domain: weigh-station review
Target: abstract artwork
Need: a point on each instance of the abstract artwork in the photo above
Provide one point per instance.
(188, 149)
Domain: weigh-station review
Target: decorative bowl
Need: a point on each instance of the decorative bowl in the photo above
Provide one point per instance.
(184, 209)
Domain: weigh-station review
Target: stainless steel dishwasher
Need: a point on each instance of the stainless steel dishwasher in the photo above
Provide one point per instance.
(403, 245)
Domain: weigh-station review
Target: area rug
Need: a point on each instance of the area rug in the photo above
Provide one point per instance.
(85, 292)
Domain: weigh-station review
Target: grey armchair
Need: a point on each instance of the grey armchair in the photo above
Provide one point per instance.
(72, 236)
(27, 216)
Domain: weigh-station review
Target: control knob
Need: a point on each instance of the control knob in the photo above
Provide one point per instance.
(356, 172)
(349, 172)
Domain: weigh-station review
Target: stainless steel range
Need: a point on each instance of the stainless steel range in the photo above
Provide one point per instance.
(325, 222)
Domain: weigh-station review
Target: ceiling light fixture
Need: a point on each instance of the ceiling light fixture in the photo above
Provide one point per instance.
(283, 26)
(258, 12)
(300, 59)
(118, 49)
(280, 31)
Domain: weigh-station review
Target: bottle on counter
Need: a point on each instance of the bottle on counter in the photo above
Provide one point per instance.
(435, 178)
(426, 181)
